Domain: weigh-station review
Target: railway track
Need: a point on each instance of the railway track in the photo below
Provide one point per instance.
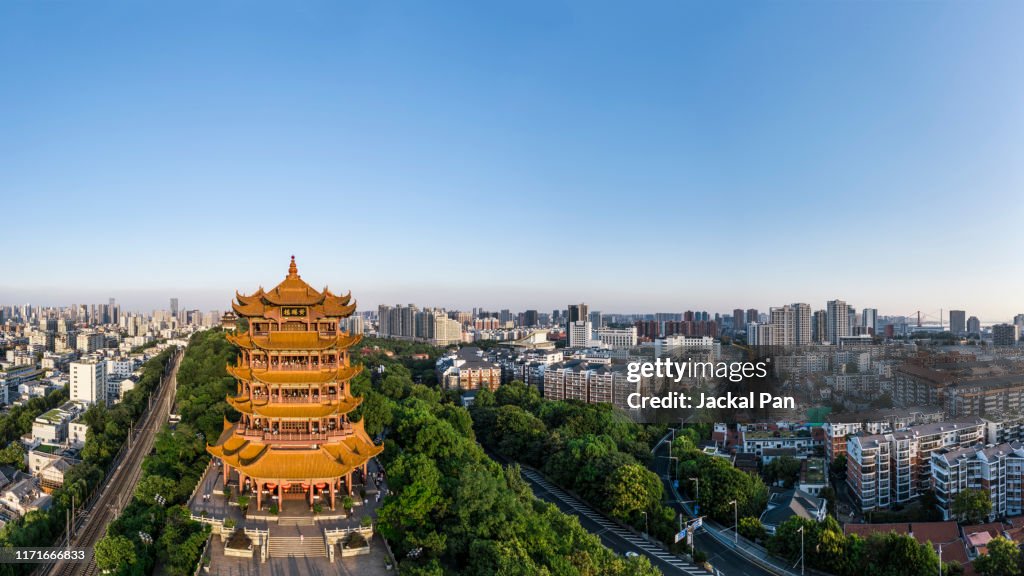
(119, 486)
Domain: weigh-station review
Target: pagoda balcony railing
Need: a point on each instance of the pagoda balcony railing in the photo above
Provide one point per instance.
(299, 367)
(270, 435)
(303, 399)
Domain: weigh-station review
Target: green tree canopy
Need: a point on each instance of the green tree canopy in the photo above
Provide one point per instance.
(972, 505)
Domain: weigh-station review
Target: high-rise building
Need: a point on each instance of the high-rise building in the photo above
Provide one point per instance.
(294, 437)
(752, 315)
(974, 325)
(819, 327)
(531, 318)
(578, 327)
(869, 320)
(577, 312)
(174, 307)
(88, 382)
(790, 325)
(838, 318)
(1005, 334)
(596, 319)
(957, 322)
(738, 319)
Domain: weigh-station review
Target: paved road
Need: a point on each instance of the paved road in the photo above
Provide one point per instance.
(612, 535)
(726, 560)
(117, 489)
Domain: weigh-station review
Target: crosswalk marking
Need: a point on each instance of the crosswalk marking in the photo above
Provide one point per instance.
(587, 511)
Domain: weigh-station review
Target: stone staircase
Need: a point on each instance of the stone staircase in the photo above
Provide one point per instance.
(296, 521)
(285, 546)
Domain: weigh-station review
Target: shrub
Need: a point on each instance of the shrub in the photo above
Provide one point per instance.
(751, 528)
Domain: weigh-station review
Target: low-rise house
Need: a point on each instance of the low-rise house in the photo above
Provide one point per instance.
(23, 496)
(783, 505)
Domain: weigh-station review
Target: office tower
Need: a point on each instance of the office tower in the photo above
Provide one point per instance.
(869, 320)
(531, 318)
(957, 321)
(174, 307)
(1005, 334)
(752, 315)
(738, 319)
(577, 312)
(596, 319)
(838, 318)
(974, 325)
(577, 326)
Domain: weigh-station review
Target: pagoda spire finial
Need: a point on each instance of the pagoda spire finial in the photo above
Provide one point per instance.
(293, 270)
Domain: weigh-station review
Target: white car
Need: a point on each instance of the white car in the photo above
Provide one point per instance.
(631, 554)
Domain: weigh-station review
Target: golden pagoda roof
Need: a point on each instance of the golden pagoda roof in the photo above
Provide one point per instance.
(263, 461)
(295, 376)
(294, 410)
(293, 291)
(305, 340)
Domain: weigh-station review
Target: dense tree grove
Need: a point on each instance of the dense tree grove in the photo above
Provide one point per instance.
(826, 548)
(454, 510)
(592, 449)
(17, 421)
(719, 484)
(108, 429)
(176, 466)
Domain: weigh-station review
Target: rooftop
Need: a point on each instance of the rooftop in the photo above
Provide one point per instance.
(53, 416)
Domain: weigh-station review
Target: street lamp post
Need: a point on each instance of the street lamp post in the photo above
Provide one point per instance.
(670, 459)
(801, 549)
(736, 526)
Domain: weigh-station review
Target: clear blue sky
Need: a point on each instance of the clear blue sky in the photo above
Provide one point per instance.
(636, 156)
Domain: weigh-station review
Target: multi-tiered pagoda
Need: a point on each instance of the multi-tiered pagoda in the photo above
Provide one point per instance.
(294, 439)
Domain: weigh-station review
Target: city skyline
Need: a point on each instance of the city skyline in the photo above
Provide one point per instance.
(671, 154)
(927, 317)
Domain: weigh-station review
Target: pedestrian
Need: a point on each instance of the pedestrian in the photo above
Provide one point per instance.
(302, 537)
